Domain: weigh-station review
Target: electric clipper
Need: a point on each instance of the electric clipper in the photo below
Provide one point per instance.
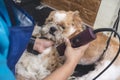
(80, 39)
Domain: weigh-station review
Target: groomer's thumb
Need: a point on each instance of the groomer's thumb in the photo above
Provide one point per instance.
(67, 42)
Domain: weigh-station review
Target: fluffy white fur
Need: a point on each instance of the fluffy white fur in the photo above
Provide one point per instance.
(59, 16)
(33, 65)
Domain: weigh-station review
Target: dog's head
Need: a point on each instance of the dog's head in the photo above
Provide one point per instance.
(61, 24)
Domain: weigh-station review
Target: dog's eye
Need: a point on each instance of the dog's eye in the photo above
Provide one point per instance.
(72, 24)
(63, 27)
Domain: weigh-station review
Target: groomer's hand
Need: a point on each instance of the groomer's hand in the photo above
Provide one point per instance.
(74, 55)
(41, 44)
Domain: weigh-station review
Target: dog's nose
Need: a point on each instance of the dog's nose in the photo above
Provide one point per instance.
(52, 30)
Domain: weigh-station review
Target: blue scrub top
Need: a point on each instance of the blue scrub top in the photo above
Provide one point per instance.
(5, 73)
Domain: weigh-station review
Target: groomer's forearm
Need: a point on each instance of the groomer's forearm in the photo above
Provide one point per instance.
(63, 72)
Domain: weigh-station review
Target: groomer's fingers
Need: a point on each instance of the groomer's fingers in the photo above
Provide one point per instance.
(41, 44)
(47, 43)
(40, 49)
(67, 42)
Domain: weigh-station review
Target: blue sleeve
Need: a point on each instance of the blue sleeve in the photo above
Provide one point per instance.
(5, 73)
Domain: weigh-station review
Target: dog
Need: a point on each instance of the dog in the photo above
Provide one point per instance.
(58, 26)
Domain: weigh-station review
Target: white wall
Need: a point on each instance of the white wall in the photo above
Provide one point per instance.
(107, 13)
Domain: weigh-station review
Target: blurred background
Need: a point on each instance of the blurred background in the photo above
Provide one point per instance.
(97, 13)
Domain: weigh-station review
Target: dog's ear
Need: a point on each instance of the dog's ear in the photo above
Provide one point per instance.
(77, 20)
(50, 17)
(76, 13)
(76, 17)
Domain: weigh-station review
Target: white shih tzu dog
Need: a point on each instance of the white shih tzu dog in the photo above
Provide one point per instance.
(66, 24)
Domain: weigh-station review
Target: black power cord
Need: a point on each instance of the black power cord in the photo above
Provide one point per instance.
(109, 30)
(114, 30)
(115, 26)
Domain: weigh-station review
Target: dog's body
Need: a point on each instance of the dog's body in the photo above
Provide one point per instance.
(59, 25)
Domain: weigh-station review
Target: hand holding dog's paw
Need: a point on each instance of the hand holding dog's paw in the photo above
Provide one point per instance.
(41, 44)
